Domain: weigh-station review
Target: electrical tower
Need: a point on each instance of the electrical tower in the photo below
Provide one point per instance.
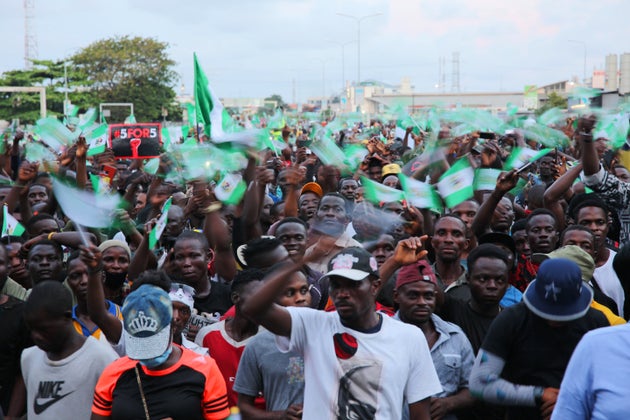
(30, 42)
(441, 84)
(455, 73)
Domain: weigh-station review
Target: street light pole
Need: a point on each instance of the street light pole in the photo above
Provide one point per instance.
(321, 60)
(583, 45)
(343, 61)
(359, 20)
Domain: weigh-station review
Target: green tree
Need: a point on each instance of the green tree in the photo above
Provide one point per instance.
(554, 100)
(278, 99)
(49, 74)
(131, 69)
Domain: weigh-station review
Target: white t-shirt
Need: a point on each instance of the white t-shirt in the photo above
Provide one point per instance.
(607, 279)
(64, 389)
(389, 366)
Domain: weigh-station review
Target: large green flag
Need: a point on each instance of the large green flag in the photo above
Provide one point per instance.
(456, 184)
(208, 108)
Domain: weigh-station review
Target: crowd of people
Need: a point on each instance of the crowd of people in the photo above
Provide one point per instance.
(310, 297)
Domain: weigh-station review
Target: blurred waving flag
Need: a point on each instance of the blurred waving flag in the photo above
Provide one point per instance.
(456, 184)
(420, 194)
(86, 208)
(522, 155)
(376, 192)
(10, 225)
(156, 232)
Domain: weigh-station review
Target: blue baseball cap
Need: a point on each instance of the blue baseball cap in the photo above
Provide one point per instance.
(558, 292)
(147, 314)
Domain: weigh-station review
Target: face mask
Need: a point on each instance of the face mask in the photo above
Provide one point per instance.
(157, 361)
(114, 280)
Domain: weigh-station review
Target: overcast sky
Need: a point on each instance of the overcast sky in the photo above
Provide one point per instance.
(254, 48)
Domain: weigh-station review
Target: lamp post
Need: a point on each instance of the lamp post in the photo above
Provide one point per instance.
(359, 20)
(343, 61)
(583, 45)
(321, 60)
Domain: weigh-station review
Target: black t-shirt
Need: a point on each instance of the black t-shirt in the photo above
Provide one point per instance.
(14, 338)
(474, 324)
(217, 302)
(535, 353)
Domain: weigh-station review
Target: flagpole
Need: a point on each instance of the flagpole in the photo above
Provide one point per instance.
(84, 238)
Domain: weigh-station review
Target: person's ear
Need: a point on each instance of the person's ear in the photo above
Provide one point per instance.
(235, 298)
(375, 286)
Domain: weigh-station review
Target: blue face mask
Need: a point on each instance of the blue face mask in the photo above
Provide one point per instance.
(157, 361)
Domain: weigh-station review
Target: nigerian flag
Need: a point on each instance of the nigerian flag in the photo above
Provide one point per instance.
(486, 179)
(521, 156)
(208, 108)
(10, 225)
(376, 192)
(156, 232)
(86, 208)
(230, 189)
(456, 184)
(97, 140)
(420, 194)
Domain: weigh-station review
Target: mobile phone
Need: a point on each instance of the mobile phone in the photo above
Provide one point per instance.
(486, 135)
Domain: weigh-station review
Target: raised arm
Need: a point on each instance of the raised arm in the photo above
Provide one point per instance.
(216, 231)
(143, 258)
(590, 159)
(557, 190)
(97, 309)
(505, 182)
(259, 304)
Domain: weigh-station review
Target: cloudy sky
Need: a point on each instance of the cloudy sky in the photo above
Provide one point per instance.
(254, 48)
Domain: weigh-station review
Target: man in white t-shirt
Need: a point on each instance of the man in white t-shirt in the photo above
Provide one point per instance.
(358, 363)
(61, 370)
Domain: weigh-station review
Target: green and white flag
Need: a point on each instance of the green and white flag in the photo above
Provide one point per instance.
(420, 194)
(208, 107)
(131, 119)
(99, 184)
(486, 179)
(10, 225)
(151, 166)
(156, 232)
(86, 120)
(37, 152)
(521, 156)
(54, 133)
(456, 184)
(97, 140)
(230, 189)
(376, 192)
(86, 208)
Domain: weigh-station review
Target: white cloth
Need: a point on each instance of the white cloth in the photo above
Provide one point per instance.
(389, 366)
(64, 389)
(607, 279)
